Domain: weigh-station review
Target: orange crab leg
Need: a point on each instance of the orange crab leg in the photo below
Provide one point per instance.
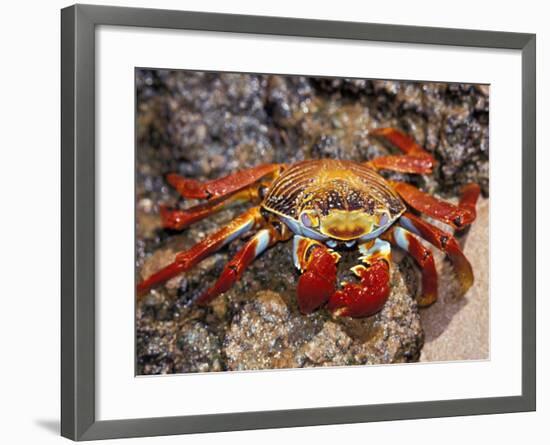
(469, 195)
(423, 257)
(443, 241)
(399, 140)
(419, 164)
(318, 280)
(369, 295)
(233, 271)
(456, 216)
(191, 188)
(176, 219)
(189, 258)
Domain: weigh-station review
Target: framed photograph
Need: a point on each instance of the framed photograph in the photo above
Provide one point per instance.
(273, 222)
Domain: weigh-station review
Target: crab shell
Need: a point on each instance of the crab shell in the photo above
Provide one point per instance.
(334, 201)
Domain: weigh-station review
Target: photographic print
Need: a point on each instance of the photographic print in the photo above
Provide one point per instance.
(298, 221)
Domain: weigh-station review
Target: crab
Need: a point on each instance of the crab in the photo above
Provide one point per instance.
(327, 206)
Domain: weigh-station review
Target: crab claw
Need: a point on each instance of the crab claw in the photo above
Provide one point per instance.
(318, 281)
(366, 297)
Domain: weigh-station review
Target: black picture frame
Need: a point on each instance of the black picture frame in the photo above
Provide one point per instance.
(78, 23)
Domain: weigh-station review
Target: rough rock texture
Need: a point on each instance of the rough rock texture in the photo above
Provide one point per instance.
(266, 333)
(205, 125)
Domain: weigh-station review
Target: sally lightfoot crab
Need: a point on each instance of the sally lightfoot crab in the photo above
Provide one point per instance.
(327, 205)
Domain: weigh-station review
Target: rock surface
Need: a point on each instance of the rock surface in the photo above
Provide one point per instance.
(266, 334)
(458, 328)
(205, 125)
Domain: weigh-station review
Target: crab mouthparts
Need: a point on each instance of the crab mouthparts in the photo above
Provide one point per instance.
(347, 225)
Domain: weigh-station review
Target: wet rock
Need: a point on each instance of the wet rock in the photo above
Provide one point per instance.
(267, 334)
(198, 349)
(169, 349)
(206, 125)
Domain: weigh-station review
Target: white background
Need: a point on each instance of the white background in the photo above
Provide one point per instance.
(29, 111)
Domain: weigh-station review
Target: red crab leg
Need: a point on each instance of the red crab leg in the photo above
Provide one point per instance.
(399, 140)
(423, 257)
(191, 188)
(318, 280)
(419, 164)
(187, 259)
(243, 258)
(443, 241)
(369, 295)
(179, 219)
(456, 216)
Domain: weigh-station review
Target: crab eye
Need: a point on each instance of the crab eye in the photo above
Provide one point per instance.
(309, 219)
(383, 220)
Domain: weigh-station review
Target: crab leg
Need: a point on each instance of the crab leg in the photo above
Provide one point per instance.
(243, 258)
(318, 280)
(424, 258)
(189, 258)
(414, 159)
(456, 216)
(469, 195)
(191, 188)
(369, 295)
(399, 140)
(177, 219)
(443, 241)
(418, 164)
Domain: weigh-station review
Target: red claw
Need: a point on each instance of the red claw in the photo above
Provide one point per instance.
(318, 282)
(365, 298)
